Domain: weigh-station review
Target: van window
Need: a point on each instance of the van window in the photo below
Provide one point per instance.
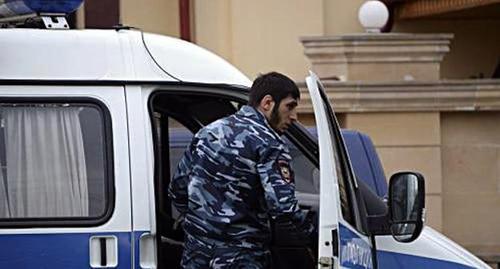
(306, 173)
(52, 158)
(180, 138)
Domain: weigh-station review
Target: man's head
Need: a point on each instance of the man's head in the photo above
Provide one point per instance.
(276, 96)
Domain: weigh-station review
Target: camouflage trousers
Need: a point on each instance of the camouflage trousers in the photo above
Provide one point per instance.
(200, 255)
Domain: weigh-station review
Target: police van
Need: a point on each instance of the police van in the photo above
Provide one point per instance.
(87, 120)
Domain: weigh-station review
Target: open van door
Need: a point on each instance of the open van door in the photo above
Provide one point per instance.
(342, 239)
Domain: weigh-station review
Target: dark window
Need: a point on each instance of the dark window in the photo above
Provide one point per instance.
(305, 172)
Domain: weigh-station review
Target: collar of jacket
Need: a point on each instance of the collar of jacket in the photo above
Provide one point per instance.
(259, 117)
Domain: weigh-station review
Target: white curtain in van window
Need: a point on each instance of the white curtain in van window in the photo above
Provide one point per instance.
(4, 205)
(46, 171)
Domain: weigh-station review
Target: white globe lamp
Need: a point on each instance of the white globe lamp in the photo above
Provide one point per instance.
(373, 15)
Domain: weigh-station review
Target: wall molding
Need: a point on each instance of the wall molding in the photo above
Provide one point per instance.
(416, 96)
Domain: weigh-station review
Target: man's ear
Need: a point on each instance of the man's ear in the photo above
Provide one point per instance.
(267, 103)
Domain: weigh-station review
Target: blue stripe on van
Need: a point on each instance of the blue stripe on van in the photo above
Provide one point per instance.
(356, 253)
(398, 260)
(71, 250)
(137, 237)
(68, 250)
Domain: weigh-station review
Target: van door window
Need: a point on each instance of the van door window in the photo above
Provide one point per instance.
(52, 158)
(179, 138)
(306, 173)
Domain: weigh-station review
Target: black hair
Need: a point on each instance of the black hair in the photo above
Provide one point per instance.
(275, 84)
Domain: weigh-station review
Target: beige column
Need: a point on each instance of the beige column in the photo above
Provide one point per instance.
(80, 17)
(156, 16)
(341, 17)
(259, 36)
(407, 141)
(471, 179)
(213, 26)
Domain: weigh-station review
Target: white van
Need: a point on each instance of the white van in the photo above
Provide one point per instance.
(86, 118)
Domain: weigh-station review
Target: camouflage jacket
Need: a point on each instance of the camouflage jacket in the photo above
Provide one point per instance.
(234, 177)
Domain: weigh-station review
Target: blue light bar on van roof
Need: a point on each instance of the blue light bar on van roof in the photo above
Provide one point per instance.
(13, 8)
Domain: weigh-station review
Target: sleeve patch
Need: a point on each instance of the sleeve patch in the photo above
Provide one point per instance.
(286, 172)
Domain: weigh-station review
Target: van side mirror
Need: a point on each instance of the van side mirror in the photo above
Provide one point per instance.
(406, 205)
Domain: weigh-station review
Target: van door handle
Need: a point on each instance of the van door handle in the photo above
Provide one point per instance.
(103, 251)
(104, 258)
(147, 253)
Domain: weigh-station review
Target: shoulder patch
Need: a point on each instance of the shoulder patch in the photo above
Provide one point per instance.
(286, 172)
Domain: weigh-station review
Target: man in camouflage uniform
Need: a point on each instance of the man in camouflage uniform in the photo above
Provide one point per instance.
(235, 177)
